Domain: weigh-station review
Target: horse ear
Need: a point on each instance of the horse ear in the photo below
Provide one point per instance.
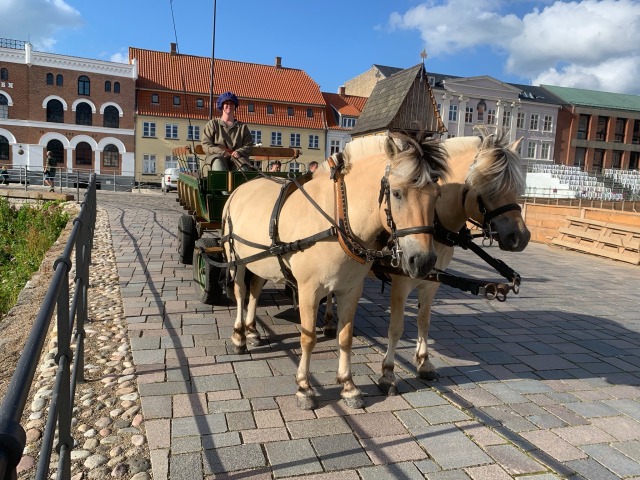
(514, 145)
(391, 147)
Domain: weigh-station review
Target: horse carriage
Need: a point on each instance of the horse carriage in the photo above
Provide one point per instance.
(203, 192)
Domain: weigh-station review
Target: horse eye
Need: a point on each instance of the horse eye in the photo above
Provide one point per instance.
(435, 178)
(396, 194)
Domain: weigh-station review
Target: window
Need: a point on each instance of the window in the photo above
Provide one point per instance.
(520, 120)
(84, 85)
(601, 129)
(309, 112)
(547, 123)
(314, 141)
(636, 132)
(269, 109)
(193, 132)
(617, 159)
(116, 87)
(468, 115)
(578, 160)
(4, 106)
(148, 164)
(4, 74)
(583, 127)
(84, 115)
(491, 116)
(107, 86)
(171, 130)
(176, 100)
(170, 161)
(545, 150)
(294, 167)
(621, 126)
(111, 117)
(334, 147)
(149, 129)
(192, 165)
(55, 111)
(251, 107)
(84, 154)
(290, 111)
(598, 158)
(531, 150)
(199, 103)
(295, 140)
(506, 119)
(633, 160)
(110, 156)
(155, 98)
(453, 113)
(348, 122)
(49, 78)
(257, 136)
(4, 148)
(533, 121)
(481, 107)
(276, 139)
(59, 80)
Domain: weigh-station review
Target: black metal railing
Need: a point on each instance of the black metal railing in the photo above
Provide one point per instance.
(70, 366)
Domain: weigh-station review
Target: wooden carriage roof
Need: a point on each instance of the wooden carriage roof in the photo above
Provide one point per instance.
(346, 105)
(402, 102)
(179, 73)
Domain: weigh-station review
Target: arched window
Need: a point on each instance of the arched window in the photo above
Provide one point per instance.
(83, 114)
(4, 74)
(49, 78)
(55, 111)
(84, 85)
(111, 117)
(59, 80)
(84, 154)
(110, 156)
(116, 87)
(4, 106)
(4, 148)
(107, 86)
(55, 147)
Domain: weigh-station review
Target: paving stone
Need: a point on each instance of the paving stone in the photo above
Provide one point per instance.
(230, 459)
(219, 440)
(504, 393)
(613, 459)
(488, 472)
(424, 398)
(200, 425)
(189, 405)
(214, 383)
(392, 449)
(264, 435)
(442, 414)
(450, 448)
(253, 369)
(591, 470)
(592, 409)
(267, 387)
(240, 421)
(514, 461)
(554, 445)
(583, 435)
(405, 471)
(181, 445)
(142, 357)
(227, 406)
(187, 467)
(621, 428)
(292, 457)
(156, 407)
(337, 452)
(546, 362)
(318, 427)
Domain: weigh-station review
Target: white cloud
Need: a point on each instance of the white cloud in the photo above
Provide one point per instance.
(37, 21)
(119, 57)
(585, 44)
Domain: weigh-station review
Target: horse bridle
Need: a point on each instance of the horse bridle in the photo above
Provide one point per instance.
(488, 216)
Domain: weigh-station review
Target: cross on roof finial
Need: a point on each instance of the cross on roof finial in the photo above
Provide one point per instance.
(423, 54)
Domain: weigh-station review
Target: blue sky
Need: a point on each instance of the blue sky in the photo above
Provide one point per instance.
(586, 44)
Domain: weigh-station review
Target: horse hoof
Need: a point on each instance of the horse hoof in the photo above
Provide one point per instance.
(388, 388)
(255, 342)
(307, 403)
(330, 332)
(242, 350)
(429, 376)
(354, 402)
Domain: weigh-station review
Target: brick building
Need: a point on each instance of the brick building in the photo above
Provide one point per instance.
(80, 109)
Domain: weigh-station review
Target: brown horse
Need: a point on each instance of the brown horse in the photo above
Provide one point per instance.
(380, 184)
(485, 181)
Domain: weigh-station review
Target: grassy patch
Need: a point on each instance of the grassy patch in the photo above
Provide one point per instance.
(26, 233)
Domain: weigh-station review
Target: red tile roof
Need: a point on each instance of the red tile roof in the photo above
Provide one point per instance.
(346, 105)
(162, 71)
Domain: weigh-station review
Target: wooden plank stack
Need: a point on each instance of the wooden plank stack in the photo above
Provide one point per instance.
(606, 239)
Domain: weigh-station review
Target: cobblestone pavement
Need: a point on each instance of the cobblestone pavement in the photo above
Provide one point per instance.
(543, 386)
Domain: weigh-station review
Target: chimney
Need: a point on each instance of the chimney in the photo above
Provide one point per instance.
(278, 62)
(341, 91)
(173, 48)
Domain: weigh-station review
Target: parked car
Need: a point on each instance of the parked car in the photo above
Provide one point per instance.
(170, 179)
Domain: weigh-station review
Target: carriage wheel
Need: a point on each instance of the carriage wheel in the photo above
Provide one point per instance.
(187, 236)
(205, 275)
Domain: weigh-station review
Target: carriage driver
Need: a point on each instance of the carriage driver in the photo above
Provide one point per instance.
(227, 139)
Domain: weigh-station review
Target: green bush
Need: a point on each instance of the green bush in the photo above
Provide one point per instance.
(26, 234)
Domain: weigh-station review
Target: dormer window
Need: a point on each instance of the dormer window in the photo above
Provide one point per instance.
(176, 100)
(348, 122)
(290, 111)
(269, 109)
(309, 112)
(155, 98)
(251, 107)
(200, 103)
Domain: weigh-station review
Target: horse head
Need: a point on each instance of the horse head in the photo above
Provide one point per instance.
(492, 185)
(408, 211)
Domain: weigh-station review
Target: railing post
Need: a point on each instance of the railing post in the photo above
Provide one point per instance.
(78, 186)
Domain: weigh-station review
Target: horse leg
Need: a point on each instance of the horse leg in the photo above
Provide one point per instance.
(347, 303)
(308, 307)
(239, 337)
(400, 289)
(255, 288)
(329, 329)
(426, 293)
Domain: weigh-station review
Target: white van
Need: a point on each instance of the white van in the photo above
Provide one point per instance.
(170, 179)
